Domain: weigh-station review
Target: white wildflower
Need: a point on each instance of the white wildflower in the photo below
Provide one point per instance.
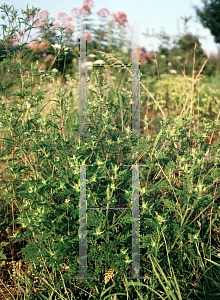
(163, 56)
(173, 71)
(99, 62)
(88, 64)
(169, 64)
(92, 55)
(56, 46)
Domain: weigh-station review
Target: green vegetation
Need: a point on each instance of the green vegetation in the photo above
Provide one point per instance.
(39, 188)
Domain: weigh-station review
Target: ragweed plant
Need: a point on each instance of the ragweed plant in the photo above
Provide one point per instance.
(178, 190)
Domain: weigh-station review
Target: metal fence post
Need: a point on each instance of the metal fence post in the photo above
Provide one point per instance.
(135, 168)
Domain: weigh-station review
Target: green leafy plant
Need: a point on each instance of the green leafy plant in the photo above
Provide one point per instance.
(179, 183)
